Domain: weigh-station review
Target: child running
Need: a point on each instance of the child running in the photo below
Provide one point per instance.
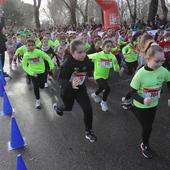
(146, 88)
(33, 64)
(72, 81)
(11, 47)
(103, 62)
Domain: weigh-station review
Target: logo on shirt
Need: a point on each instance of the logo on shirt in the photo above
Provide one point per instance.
(34, 60)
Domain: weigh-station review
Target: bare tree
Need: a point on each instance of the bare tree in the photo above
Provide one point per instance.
(37, 4)
(133, 12)
(153, 8)
(164, 9)
(71, 6)
(81, 9)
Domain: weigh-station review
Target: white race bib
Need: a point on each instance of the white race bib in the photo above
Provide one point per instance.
(106, 63)
(34, 60)
(153, 93)
(80, 75)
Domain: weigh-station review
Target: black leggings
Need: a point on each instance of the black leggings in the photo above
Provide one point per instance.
(2, 58)
(145, 118)
(103, 85)
(132, 66)
(38, 82)
(83, 100)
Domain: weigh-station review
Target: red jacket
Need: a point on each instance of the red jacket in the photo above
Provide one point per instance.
(166, 46)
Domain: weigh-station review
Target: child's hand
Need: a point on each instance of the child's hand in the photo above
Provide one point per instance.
(75, 83)
(168, 102)
(147, 101)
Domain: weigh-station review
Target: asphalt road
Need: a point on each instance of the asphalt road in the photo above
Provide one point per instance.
(58, 143)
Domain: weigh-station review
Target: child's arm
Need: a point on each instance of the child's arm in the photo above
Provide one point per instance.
(92, 56)
(116, 66)
(125, 51)
(48, 59)
(25, 66)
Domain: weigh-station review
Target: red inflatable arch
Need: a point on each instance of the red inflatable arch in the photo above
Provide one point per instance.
(110, 12)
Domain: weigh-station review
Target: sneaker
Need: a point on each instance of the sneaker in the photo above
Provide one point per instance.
(38, 104)
(146, 152)
(90, 136)
(46, 85)
(57, 109)
(104, 106)
(126, 104)
(96, 98)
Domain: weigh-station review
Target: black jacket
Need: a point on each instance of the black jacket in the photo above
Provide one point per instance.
(2, 42)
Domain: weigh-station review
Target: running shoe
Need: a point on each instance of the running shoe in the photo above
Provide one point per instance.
(104, 106)
(38, 104)
(57, 109)
(89, 135)
(46, 85)
(146, 152)
(126, 103)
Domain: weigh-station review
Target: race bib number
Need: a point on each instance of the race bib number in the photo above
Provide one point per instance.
(80, 75)
(106, 63)
(34, 60)
(153, 93)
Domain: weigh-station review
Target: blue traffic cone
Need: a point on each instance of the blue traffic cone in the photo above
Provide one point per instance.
(2, 79)
(20, 163)
(7, 108)
(16, 141)
(1, 90)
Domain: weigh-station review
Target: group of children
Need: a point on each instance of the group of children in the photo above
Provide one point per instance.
(91, 55)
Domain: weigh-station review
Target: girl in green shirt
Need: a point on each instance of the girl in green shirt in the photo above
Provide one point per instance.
(33, 64)
(146, 89)
(103, 62)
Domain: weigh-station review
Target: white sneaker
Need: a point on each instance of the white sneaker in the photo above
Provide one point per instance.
(46, 85)
(104, 106)
(38, 104)
(96, 98)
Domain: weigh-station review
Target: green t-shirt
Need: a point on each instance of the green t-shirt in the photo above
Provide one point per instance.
(103, 63)
(33, 62)
(87, 45)
(130, 53)
(51, 43)
(38, 43)
(21, 51)
(149, 84)
(56, 43)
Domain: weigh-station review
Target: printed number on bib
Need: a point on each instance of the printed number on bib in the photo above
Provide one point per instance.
(106, 63)
(34, 60)
(153, 93)
(80, 75)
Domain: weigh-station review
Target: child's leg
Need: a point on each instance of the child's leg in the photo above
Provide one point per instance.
(46, 70)
(42, 80)
(146, 118)
(68, 102)
(35, 81)
(104, 85)
(83, 99)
